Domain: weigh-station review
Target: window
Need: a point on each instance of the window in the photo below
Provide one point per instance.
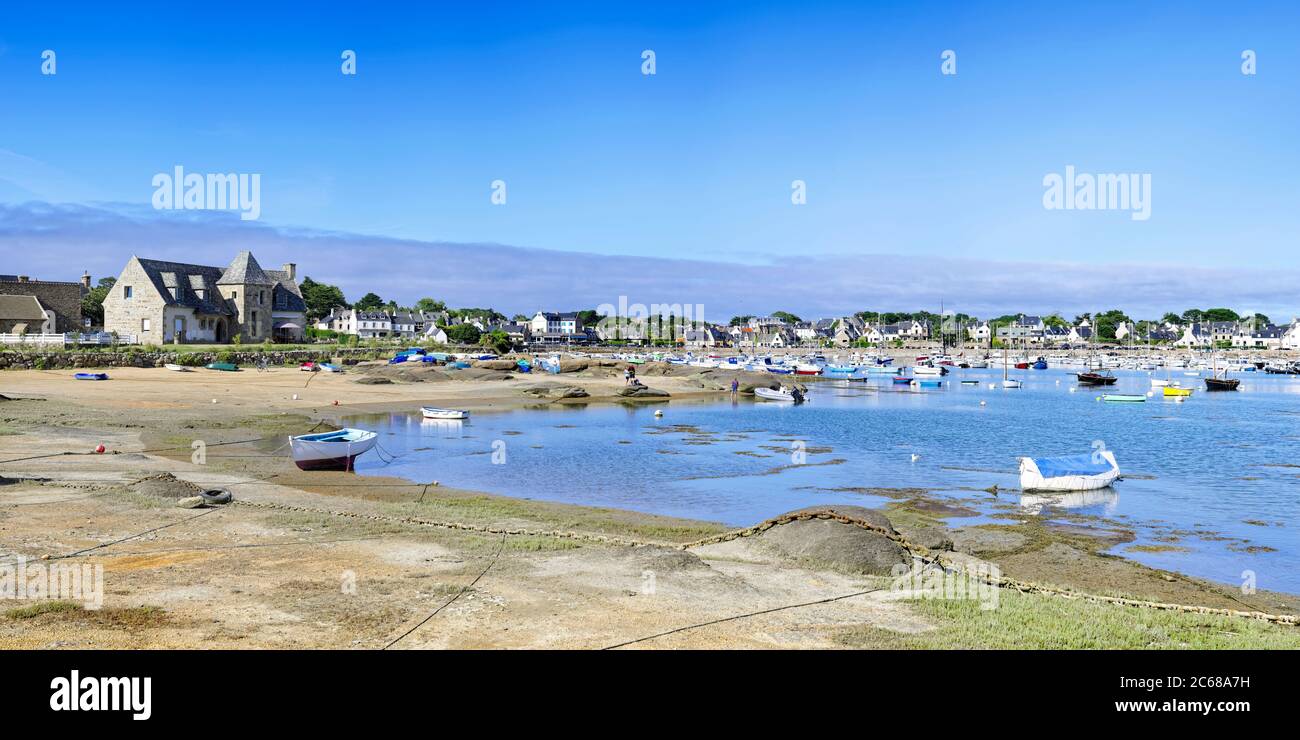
(144, 324)
(253, 329)
(126, 292)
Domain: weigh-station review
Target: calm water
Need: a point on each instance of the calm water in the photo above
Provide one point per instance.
(1220, 471)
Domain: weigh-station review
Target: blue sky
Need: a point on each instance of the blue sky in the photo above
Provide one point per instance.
(695, 162)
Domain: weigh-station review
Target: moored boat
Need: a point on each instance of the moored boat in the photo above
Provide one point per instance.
(176, 368)
(1091, 378)
(1124, 398)
(431, 412)
(1175, 391)
(1222, 384)
(331, 450)
(785, 394)
(1069, 473)
(227, 367)
(91, 376)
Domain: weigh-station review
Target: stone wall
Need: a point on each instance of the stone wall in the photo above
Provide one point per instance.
(62, 298)
(119, 358)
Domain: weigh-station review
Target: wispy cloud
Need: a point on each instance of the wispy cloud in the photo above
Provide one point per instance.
(59, 241)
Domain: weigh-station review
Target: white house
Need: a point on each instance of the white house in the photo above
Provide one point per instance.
(979, 333)
(1291, 339)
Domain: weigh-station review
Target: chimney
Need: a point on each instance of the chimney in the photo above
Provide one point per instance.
(85, 280)
(22, 278)
(291, 269)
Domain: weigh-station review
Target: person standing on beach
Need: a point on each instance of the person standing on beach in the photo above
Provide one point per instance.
(735, 387)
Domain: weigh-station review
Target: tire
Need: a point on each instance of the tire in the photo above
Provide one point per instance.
(216, 496)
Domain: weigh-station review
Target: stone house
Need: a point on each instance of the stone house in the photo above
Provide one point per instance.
(62, 298)
(162, 302)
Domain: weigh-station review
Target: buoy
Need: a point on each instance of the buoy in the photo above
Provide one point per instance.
(295, 396)
(1098, 398)
(659, 413)
(915, 457)
(1151, 394)
(99, 450)
(1073, 389)
(984, 403)
(991, 386)
(214, 400)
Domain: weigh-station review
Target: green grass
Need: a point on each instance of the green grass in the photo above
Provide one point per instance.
(1039, 622)
(43, 607)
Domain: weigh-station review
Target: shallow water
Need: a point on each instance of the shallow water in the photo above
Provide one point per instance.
(1219, 473)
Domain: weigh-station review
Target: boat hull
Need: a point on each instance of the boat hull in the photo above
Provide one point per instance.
(444, 414)
(1031, 478)
(332, 450)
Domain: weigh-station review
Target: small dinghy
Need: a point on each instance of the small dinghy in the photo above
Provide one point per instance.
(430, 412)
(176, 368)
(789, 395)
(309, 367)
(1069, 473)
(91, 376)
(331, 450)
(1123, 398)
(1177, 392)
(970, 382)
(330, 367)
(228, 367)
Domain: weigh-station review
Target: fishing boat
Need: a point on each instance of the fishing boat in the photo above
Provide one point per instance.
(1069, 473)
(929, 370)
(225, 367)
(1123, 398)
(901, 380)
(176, 368)
(1222, 384)
(1217, 382)
(802, 369)
(399, 359)
(1091, 378)
(331, 450)
(918, 383)
(785, 394)
(1175, 391)
(91, 376)
(431, 412)
(779, 370)
(1022, 365)
(1040, 364)
(1159, 382)
(330, 367)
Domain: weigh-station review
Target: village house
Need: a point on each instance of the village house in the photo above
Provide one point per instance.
(63, 299)
(548, 327)
(1291, 337)
(980, 333)
(24, 314)
(707, 336)
(1268, 337)
(160, 302)
(1025, 329)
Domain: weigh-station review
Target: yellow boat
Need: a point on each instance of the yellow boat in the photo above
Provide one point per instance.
(1172, 391)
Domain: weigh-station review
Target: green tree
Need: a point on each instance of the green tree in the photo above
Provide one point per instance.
(1220, 314)
(787, 317)
(92, 304)
(740, 320)
(1171, 318)
(320, 298)
(463, 334)
(1106, 323)
(497, 341)
(429, 305)
(369, 302)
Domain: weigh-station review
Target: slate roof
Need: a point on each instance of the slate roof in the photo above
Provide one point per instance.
(186, 279)
(244, 270)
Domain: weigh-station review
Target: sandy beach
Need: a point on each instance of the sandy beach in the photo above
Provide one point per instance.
(287, 567)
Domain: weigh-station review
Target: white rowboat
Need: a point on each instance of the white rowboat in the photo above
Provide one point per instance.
(331, 450)
(446, 414)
